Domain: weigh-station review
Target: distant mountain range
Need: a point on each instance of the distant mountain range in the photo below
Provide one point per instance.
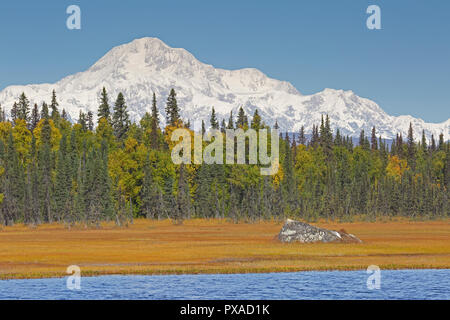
(148, 65)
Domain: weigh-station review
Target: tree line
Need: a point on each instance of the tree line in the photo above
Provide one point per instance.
(52, 170)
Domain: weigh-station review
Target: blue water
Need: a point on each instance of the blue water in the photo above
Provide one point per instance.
(394, 284)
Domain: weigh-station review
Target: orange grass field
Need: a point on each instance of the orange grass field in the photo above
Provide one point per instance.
(215, 246)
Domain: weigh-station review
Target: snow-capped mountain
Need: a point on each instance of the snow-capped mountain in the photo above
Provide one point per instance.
(147, 65)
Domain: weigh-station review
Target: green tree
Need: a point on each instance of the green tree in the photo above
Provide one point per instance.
(121, 122)
(54, 106)
(104, 109)
(172, 109)
(213, 120)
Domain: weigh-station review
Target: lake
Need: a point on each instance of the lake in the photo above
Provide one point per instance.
(394, 284)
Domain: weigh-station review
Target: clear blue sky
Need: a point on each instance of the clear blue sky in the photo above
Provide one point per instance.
(314, 44)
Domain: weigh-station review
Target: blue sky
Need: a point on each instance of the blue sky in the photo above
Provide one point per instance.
(405, 67)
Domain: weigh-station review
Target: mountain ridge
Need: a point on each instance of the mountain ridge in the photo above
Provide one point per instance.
(148, 65)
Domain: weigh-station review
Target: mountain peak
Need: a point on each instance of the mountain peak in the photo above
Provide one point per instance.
(147, 65)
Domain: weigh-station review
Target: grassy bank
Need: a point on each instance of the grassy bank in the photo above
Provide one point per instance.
(215, 246)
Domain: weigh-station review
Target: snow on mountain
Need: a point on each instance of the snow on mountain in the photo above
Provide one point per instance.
(148, 65)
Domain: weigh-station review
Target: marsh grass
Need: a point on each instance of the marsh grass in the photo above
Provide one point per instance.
(216, 246)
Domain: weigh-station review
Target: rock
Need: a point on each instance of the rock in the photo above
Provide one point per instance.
(296, 231)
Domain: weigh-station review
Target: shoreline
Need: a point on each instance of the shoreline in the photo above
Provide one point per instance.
(216, 247)
(49, 276)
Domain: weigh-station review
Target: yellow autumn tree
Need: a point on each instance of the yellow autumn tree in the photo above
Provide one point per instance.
(125, 167)
(22, 139)
(55, 135)
(396, 167)
(5, 130)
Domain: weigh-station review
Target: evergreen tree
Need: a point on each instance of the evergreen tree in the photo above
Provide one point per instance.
(104, 109)
(45, 173)
(172, 109)
(424, 142)
(183, 197)
(230, 121)
(301, 136)
(213, 120)
(64, 115)
(150, 193)
(14, 112)
(63, 181)
(256, 121)
(276, 126)
(223, 126)
(241, 119)
(411, 146)
(433, 144)
(23, 108)
(82, 120)
(441, 142)
(155, 124)
(54, 106)
(203, 128)
(373, 140)
(121, 122)
(44, 111)
(14, 185)
(35, 117)
(288, 179)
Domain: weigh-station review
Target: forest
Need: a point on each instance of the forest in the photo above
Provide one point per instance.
(114, 169)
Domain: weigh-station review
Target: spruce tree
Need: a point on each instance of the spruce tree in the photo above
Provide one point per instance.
(14, 185)
(424, 142)
(154, 124)
(23, 108)
(213, 120)
(63, 181)
(441, 146)
(14, 112)
(230, 121)
(411, 146)
(241, 119)
(44, 111)
(82, 120)
(64, 115)
(54, 107)
(433, 144)
(105, 188)
(256, 121)
(276, 126)
(45, 173)
(373, 140)
(203, 128)
(149, 193)
(223, 126)
(35, 117)
(301, 136)
(172, 109)
(104, 109)
(121, 122)
(183, 200)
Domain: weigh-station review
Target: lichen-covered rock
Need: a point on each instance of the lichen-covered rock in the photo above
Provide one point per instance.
(296, 231)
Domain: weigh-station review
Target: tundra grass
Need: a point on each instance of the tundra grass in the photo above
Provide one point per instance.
(216, 246)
